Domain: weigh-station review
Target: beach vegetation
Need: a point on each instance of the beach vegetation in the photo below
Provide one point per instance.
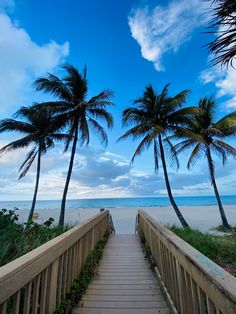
(40, 131)
(152, 117)
(205, 136)
(76, 113)
(220, 249)
(17, 239)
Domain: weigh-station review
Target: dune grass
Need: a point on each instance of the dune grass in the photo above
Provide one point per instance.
(17, 239)
(220, 249)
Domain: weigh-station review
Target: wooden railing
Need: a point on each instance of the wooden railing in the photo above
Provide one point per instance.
(194, 284)
(37, 281)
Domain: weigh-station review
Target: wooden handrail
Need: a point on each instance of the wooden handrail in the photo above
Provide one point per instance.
(39, 279)
(194, 283)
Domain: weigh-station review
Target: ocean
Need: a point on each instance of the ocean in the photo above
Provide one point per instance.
(122, 202)
(201, 212)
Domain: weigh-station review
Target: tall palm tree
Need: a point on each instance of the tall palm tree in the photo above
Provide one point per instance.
(224, 24)
(76, 113)
(39, 129)
(206, 136)
(152, 118)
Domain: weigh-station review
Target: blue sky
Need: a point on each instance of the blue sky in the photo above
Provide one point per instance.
(125, 46)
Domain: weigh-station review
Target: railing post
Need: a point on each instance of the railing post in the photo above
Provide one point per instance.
(93, 239)
(52, 288)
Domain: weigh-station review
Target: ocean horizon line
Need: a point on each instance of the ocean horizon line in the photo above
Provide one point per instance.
(118, 198)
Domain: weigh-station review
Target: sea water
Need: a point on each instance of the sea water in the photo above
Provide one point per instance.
(200, 212)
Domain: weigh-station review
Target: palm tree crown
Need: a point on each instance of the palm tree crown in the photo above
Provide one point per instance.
(224, 23)
(75, 112)
(204, 136)
(203, 133)
(153, 116)
(40, 133)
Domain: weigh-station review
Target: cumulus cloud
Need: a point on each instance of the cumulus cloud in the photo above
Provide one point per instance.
(99, 174)
(224, 80)
(21, 60)
(164, 29)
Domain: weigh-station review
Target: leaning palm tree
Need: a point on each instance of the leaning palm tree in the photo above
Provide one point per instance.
(223, 47)
(206, 136)
(152, 118)
(76, 113)
(39, 129)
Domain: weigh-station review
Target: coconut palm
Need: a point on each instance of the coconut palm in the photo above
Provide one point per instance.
(224, 23)
(76, 112)
(206, 136)
(153, 116)
(39, 129)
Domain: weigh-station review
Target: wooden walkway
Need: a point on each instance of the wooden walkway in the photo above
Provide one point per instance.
(124, 283)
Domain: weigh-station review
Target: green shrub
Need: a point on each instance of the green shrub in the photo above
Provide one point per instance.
(220, 249)
(17, 239)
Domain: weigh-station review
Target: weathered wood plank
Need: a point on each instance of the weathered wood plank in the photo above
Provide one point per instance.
(120, 311)
(116, 298)
(124, 282)
(109, 292)
(124, 305)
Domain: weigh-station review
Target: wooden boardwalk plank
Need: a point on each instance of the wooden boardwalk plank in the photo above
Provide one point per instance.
(120, 311)
(124, 283)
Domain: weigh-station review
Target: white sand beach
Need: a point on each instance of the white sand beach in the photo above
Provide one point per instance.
(200, 217)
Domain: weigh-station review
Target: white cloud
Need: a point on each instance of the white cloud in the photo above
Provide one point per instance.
(21, 60)
(165, 29)
(95, 175)
(225, 81)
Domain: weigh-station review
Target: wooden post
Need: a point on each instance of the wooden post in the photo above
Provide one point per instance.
(52, 288)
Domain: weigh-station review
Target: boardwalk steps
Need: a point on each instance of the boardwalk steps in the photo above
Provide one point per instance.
(124, 283)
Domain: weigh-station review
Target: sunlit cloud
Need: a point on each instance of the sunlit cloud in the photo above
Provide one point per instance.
(164, 29)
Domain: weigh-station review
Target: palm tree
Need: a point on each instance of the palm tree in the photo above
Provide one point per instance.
(76, 113)
(153, 117)
(224, 23)
(39, 128)
(206, 136)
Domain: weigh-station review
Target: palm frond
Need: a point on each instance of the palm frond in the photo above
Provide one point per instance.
(195, 155)
(22, 143)
(9, 125)
(144, 144)
(136, 132)
(184, 145)
(183, 116)
(224, 20)
(54, 86)
(103, 115)
(102, 99)
(173, 155)
(76, 82)
(30, 157)
(133, 115)
(99, 130)
(84, 135)
(229, 150)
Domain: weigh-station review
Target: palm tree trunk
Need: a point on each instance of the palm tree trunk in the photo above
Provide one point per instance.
(174, 205)
(213, 181)
(63, 202)
(36, 186)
